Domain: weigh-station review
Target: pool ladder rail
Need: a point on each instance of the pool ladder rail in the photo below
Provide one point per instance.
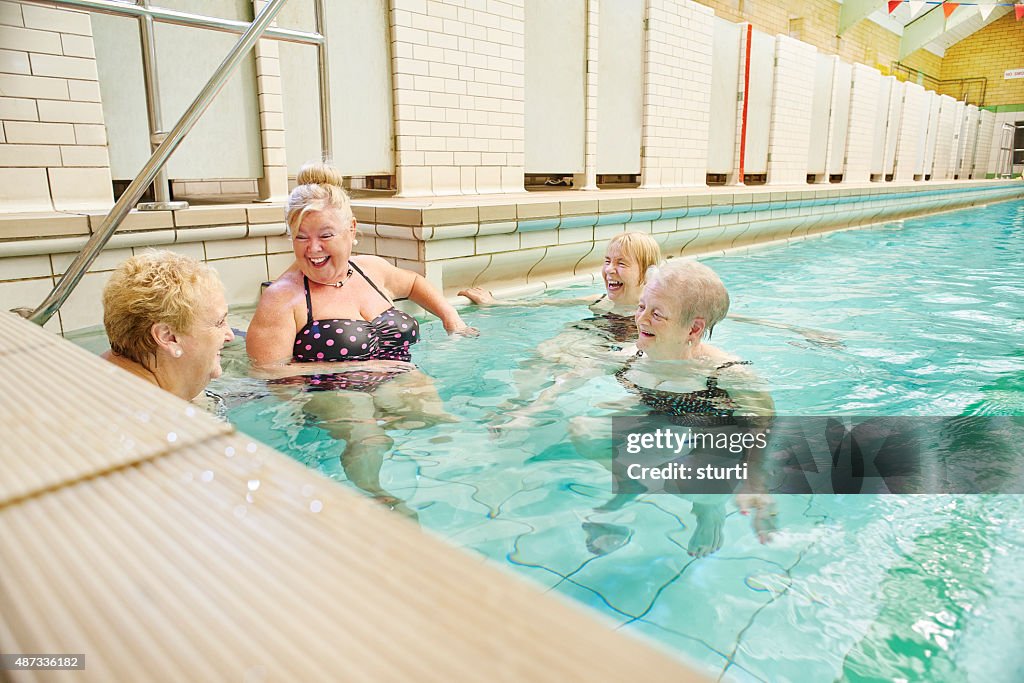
(167, 142)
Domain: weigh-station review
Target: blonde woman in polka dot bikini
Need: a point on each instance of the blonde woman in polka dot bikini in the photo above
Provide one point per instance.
(328, 325)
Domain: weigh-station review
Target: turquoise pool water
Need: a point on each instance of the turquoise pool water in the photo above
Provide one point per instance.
(929, 315)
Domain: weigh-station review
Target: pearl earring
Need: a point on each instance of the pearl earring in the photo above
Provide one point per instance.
(177, 353)
(355, 242)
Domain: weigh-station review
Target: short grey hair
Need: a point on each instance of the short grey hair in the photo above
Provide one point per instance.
(697, 289)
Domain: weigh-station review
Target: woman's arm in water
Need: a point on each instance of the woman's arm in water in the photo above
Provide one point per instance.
(482, 297)
(816, 337)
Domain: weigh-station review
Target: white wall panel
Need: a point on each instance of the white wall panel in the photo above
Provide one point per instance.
(554, 99)
(620, 106)
(300, 88)
(921, 130)
(119, 63)
(821, 104)
(881, 125)
(969, 141)
(934, 104)
(725, 72)
(840, 118)
(759, 106)
(360, 85)
(892, 129)
(957, 151)
(986, 130)
(225, 143)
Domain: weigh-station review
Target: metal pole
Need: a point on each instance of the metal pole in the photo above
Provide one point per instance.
(161, 184)
(324, 83)
(170, 16)
(131, 195)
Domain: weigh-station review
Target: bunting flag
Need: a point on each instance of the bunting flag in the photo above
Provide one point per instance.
(1019, 11)
(893, 4)
(986, 10)
(915, 7)
(949, 7)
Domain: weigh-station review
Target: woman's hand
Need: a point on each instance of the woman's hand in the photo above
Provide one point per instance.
(760, 507)
(479, 296)
(462, 329)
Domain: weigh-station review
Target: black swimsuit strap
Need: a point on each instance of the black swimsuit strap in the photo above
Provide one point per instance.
(309, 302)
(372, 284)
(712, 380)
(731, 363)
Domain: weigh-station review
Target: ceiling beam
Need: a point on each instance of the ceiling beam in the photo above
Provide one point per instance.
(927, 28)
(852, 11)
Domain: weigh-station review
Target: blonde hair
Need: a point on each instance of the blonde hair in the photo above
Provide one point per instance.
(153, 287)
(319, 188)
(700, 293)
(641, 247)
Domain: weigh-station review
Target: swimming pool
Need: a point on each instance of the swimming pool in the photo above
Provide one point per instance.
(929, 313)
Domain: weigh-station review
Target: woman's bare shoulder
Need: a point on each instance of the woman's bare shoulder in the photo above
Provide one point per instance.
(372, 264)
(286, 292)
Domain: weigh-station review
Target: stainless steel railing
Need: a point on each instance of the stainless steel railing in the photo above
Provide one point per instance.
(124, 204)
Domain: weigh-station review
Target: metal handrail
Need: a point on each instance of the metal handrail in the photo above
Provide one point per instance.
(81, 264)
(170, 16)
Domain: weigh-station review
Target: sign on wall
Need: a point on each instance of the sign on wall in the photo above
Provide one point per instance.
(1013, 73)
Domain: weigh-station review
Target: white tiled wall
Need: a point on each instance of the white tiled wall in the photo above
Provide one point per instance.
(909, 143)
(861, 132)
(591, 89)
(944, 144)
(892, 130)
(677, 93)
(53, 147)
(986, 134)
(969, 135)
(274, 183)
(458, 93)
(789, 136)
(934, 103)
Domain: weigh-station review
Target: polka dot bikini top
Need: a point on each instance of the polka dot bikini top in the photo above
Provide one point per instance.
(386, 337)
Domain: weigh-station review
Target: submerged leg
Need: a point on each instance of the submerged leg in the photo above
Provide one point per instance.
(351, 417)
(707, 536)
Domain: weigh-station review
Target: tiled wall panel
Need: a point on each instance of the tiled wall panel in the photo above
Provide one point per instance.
(861, 133)
(931, 139)
(53, 149)
(459, 89)
(789, 136)
(969, 141)
(677, 93)
(944, 142)
(909, 143)
(986, 137)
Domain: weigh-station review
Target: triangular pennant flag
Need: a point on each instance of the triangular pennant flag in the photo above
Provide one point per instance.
(893, 4)
(915, 7)
(949, 7)
(1019, 11)
(985, 9)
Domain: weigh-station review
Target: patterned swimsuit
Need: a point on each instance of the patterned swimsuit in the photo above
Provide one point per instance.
(386, 337)
(614, 328)
(709, 406)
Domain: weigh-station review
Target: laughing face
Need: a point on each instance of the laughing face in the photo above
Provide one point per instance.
(662, 334)
(621, 275)
(323, 245)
